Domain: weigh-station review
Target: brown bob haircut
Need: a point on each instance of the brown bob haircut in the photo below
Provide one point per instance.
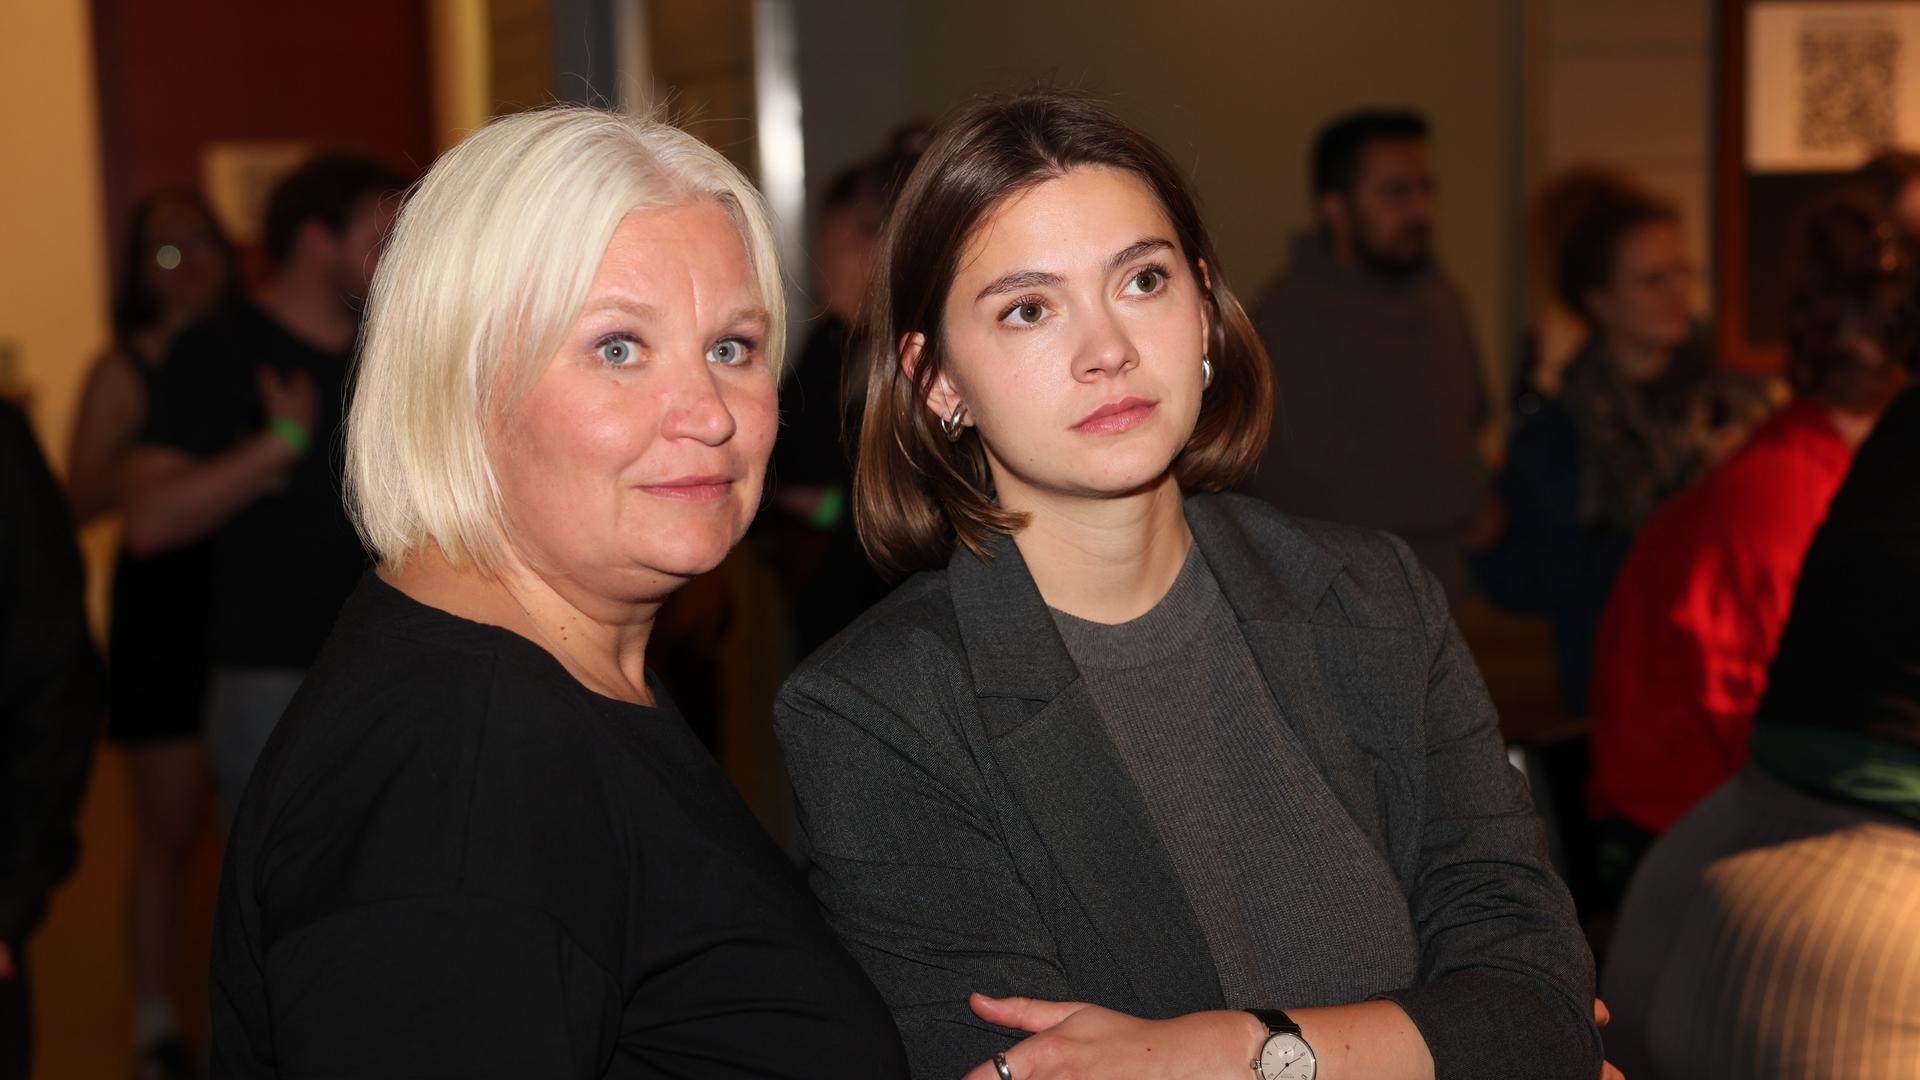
(915, 493)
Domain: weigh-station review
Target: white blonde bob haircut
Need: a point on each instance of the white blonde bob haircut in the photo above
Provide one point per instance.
(487, 270)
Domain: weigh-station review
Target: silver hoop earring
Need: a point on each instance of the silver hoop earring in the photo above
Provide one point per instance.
(954, 423)
(1206, 373)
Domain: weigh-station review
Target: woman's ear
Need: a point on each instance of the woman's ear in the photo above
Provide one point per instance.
(942, 396)
(1206, 307)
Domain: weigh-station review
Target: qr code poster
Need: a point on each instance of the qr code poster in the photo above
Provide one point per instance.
(1830, 84)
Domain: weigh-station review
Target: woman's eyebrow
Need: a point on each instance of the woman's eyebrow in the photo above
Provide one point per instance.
(1035, 279)
(1019, 279)
(756, 316)
(620, 303)
(1136, 249)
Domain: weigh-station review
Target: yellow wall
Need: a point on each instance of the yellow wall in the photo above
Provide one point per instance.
(53, 273)
(53, 290)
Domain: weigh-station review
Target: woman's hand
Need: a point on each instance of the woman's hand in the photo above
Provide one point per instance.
(289, 397)
(1075, 1040)
(1601, 1015)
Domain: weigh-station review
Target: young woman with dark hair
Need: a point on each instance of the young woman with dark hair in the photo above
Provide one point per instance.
(1156, 758)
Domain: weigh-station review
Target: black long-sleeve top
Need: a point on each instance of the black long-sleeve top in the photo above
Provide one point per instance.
(455, 860)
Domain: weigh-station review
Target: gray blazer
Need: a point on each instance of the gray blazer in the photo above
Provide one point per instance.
(972, 828)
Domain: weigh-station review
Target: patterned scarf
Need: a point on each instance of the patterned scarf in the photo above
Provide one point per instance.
(1642, 442)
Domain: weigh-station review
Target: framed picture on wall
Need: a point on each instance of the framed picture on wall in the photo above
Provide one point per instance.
(238, 176)
(1809, 91)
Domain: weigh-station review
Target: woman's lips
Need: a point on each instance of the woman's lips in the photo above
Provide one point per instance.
(1115, 417)
(692, 488)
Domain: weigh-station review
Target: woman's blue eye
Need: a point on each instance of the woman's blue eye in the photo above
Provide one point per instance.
(729, 352)
(616, 351)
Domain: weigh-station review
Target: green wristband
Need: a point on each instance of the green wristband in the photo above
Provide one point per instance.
(295, 435)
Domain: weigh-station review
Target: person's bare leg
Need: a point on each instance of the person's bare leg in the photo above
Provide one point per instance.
(172, 790)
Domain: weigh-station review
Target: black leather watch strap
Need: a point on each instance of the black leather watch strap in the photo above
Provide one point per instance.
(1278, 1023)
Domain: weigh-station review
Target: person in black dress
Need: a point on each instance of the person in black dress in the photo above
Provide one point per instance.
(482, 841)
(178, 269)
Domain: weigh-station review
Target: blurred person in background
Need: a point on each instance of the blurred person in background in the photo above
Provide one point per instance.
(828, 578)
(1379, 397)
(1680, 660)
(484, 841)
(1801, 875)
(1640, 412)
(50, 704)
(238, 450)
(178, 269)
(1894, 175)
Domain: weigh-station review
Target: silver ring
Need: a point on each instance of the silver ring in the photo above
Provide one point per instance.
(1000, 1066)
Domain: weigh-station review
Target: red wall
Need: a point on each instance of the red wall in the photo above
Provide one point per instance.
(176, 75)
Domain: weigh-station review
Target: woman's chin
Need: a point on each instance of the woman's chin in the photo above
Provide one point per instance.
(1109, 487)
(1129, 475)
(688, 558)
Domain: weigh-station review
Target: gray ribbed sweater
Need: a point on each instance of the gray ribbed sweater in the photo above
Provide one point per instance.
(1297, 906)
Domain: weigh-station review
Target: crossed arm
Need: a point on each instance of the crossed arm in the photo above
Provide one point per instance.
(916, 878)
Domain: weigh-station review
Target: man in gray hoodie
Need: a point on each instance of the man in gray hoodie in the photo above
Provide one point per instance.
(1378, 391)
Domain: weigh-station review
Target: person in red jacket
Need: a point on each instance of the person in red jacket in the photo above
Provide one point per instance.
(1681, 657)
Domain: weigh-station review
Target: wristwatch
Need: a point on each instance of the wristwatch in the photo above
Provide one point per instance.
(1285, 1055)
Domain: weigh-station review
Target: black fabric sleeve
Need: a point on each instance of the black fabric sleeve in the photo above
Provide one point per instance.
(450, 985)
(51, 684)
(810, 450)
(1506, 978)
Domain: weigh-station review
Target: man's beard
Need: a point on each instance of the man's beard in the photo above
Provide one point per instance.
(1387, 262)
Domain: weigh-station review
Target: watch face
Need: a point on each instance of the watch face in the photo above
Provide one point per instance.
(1286, 1057)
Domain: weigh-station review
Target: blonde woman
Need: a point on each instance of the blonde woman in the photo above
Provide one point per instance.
(481, 841)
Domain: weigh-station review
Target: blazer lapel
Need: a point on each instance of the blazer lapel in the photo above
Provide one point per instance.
(1318, 677)
(1049, 742)
(1341, 689)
